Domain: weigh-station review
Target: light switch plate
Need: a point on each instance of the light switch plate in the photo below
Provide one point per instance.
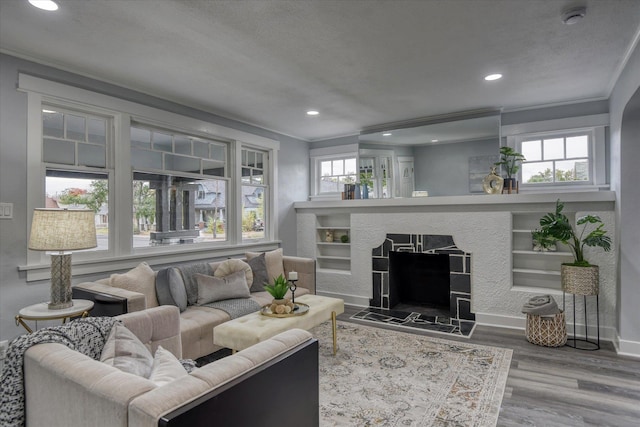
(6, 210)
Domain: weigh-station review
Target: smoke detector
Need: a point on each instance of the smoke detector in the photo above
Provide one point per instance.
(574, 15)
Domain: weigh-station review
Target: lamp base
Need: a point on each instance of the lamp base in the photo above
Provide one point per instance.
(60, 282)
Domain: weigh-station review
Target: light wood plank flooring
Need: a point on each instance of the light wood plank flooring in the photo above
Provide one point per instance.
(558, 386)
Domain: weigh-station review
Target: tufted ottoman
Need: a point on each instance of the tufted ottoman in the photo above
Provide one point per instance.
(245, 331)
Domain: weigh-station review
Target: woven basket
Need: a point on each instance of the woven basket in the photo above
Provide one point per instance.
(547, 331)
(580, 280)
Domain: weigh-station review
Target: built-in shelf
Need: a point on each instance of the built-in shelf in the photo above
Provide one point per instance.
(534, 269)
(333, 254)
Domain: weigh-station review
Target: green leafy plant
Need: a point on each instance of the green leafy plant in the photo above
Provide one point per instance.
(344, 238)
(510, 159)
(279, 287)
(558, 226)
(542, 241)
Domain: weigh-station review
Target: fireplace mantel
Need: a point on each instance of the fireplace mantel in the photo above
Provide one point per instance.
(501, 202)
(493, 228)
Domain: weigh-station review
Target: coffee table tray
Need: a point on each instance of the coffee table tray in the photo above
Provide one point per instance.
(299, 310)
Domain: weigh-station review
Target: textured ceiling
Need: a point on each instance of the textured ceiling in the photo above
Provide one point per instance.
(359, 62)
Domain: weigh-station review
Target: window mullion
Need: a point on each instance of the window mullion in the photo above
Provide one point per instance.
(122, 199)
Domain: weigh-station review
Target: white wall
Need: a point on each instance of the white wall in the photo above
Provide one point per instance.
(625, 176)
(15, 292)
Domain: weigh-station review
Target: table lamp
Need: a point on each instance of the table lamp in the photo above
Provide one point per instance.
(62, 230)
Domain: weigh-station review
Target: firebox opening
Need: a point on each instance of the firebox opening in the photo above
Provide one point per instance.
(419, 279)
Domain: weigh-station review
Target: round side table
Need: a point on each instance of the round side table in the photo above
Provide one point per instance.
(41, 311)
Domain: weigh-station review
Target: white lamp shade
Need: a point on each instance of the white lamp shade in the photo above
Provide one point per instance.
(63, 230)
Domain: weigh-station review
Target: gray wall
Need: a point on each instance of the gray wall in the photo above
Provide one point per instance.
(443, 169)
(625, 176)
(15, 292)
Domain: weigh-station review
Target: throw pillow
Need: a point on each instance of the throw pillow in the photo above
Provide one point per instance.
(211, 289)
(274, 262)
(231, 266)
(166, 367)
(123, 350)
(170, 288)
(188, 276)
(260, 276)
(141, 279)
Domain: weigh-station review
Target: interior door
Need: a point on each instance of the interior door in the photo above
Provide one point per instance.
(407, 184)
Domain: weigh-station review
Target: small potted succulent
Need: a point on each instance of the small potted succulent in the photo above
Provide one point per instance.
(511, 160)
(279, 288)
(578, 277)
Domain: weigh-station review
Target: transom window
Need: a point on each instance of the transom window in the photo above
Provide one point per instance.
(557, 158)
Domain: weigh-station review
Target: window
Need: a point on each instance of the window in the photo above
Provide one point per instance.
(335, 173)
(375, 172)
(81, 190)
(175, 199)
(74, 150)
(159, 182)
(253, 194)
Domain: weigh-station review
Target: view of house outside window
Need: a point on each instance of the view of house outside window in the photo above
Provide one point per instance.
(182, 204)
(335, 173)
(556, 159)
(253, 194)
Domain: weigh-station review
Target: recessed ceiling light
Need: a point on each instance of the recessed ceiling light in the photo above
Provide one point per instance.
(386, 134)
(44, 4)
(491, 77)
(312, 113)
(434, 140)
(574, 15)
(49, 111)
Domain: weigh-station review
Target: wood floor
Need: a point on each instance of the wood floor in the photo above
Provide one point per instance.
(559, 386)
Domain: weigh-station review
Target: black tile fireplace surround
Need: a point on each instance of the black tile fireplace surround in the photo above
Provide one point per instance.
(459, 274)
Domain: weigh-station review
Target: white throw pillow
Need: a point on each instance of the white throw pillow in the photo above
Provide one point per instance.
(166, 368)
(123, 350)
(275, 267)
(141, 279)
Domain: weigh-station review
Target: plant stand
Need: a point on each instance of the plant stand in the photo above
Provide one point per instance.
(584, 343)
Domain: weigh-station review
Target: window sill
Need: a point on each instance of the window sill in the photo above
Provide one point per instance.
(83, 267)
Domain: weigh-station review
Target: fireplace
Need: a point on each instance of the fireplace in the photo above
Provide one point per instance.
(417, 278)
(458, 296)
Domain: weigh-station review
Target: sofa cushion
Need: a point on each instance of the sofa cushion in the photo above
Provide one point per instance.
(166, 367)
(190, 283)
(123, 350)
(230, 266)
(141, 279)
(170, 288)
(273, 259)
(212, 288)
(260, 276)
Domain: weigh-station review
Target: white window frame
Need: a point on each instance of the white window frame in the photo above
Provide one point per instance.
(318, 155)
(595, 125)
(121, 255)
(267, 166)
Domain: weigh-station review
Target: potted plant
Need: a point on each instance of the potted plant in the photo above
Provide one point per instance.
(510, 159)
(542, 242)
(278, 290)
(578, 277)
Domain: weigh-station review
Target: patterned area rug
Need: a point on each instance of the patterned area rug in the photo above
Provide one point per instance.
(387, 378)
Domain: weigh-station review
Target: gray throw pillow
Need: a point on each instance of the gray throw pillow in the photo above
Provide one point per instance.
(211, 289)
(190, 284)
(170, 288)
(260, 277)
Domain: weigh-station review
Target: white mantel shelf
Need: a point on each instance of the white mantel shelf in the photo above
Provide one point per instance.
(482, 202)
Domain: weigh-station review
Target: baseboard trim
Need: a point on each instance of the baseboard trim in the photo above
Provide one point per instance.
(627, 348)
(607, 333)
(348, 299)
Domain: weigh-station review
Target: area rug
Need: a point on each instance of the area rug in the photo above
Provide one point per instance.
(387, 378)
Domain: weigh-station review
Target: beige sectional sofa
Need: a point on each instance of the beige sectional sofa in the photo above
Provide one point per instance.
(196, 322)
(66, 388)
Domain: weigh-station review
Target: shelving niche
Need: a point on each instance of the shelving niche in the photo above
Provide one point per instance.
(530, 268)
(333, 255)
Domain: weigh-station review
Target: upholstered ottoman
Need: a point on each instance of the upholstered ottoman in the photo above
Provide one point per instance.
(245, 331)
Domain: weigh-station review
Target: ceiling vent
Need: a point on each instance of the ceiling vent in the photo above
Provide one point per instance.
(574, 15)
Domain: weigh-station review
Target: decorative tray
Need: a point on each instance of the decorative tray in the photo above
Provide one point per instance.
(300, 309)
